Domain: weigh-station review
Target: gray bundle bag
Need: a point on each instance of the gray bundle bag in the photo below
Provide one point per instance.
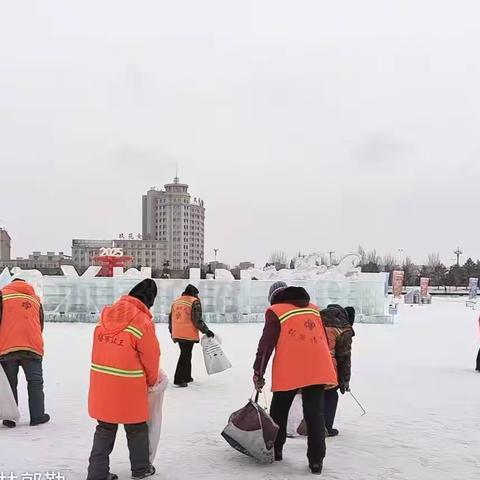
(252, 432)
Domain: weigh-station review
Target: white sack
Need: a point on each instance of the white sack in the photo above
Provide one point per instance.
(8, 407)
(215, 360)
(295, 416)
(155, 404)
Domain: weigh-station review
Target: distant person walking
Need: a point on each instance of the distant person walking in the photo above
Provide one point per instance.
(338, 323)
(294, 329)
(125, 362)
(185, 323)
(21, 345)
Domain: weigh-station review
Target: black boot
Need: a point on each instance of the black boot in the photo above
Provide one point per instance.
(9, 424)
(332, 432)
(316, 468)
(40, 421)
(278, 456)
(151, 471)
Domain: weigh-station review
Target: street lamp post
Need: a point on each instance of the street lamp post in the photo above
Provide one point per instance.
(458, 252)
(215, 251)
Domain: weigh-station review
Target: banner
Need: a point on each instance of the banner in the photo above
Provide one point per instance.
(397, 283)
(424, 283)
(473, 287)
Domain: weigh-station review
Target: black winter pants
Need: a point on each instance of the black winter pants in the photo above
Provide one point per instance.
(183, 374)
(103, 442)
(32, 368)
(330, 407)
(312, 398)
(478, 361)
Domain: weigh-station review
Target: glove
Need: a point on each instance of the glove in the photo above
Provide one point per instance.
(210, 334)
(258, 382)
(344, 387)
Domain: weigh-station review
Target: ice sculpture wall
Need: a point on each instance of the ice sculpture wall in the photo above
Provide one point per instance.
(71, 298)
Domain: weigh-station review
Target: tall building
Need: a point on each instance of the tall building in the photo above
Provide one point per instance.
(5, 245)
(170, 215)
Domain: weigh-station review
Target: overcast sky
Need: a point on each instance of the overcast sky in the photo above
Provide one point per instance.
(304, 125)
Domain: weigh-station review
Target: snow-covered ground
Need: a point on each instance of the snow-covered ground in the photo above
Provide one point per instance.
(416, 379)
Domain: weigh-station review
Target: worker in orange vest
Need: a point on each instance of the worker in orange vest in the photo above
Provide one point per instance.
(294, 329)
(125, 363)
(185, 323)
(21, 345)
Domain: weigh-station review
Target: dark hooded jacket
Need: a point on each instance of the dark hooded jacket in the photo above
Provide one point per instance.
(125, 358)
(296, 296)
(339, 334)
(192, 291)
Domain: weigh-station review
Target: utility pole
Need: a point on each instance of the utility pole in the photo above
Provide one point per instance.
(400, 256)
(458, 252)
(216, 251)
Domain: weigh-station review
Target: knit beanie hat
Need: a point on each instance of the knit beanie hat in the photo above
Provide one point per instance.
(273, 289)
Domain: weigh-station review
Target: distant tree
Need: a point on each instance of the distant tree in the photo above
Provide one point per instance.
(469, 270)
(461, 275)
(454, 276)
(371, 262)
(389, 264)
(372, 257)
(363, 255)
(425, 271)
(411, 271)
(439, 275)
(433, 260)
(435, 270)
(371, 268)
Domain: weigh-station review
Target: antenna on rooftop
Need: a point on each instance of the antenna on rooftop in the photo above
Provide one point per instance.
(176, 179)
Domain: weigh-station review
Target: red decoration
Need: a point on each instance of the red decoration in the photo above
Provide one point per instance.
(108, 262)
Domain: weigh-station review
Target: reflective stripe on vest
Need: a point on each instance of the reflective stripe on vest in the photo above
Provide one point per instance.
(298, 311)
(183, 302)
(14, 296)
(134, 331)
(117, 372)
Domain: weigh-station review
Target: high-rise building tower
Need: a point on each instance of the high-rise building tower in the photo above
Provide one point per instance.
(5, 245)
(170, 215)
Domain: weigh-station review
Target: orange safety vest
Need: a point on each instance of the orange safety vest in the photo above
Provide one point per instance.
(183, 327)
(125, 362)
(20, 328)
(302, 356)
